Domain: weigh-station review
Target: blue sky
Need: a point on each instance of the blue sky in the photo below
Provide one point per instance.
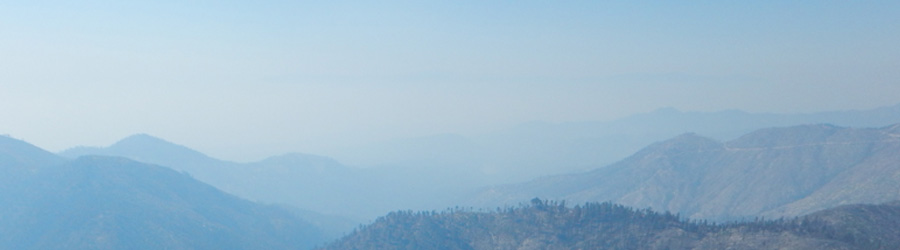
(242, 80)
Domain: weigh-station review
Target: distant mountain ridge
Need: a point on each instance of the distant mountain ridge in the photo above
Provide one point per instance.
(438, 171)
(535, 149)
(150, 149)
(809, 168)
(772, 172)
(309, 182)
(96, 202)
(295, 179)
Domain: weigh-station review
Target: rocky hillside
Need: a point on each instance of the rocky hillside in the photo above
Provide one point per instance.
(771, 172)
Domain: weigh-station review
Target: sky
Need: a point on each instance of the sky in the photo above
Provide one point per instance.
(242, 80)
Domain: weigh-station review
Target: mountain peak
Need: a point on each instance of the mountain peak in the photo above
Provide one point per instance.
(688, 142)
(142, 139)
(146, 141)
(148, 149)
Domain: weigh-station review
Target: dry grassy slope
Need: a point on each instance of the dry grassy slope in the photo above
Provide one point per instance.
(772, 172)
(875, 179)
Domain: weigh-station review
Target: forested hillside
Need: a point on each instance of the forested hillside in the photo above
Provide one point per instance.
(551, 225)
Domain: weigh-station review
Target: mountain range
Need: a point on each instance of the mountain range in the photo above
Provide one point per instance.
(94, 202)
(773, 172)
(445, 170)
(535, 149)
(176, 197)
(438, 171)
(317, 185)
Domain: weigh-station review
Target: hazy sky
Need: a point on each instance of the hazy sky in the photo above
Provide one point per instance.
(245, 79)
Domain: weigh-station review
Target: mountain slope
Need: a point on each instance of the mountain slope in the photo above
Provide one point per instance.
(548, 225)
(153, 150)
(436, 171)
(772, 172)
(305, 181)
(873, 179)
(17, 155)
(535, 149)
(115, 203)
(308, 182)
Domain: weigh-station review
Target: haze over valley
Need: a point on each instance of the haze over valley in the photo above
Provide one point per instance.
(305, 200)
(449, 125)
